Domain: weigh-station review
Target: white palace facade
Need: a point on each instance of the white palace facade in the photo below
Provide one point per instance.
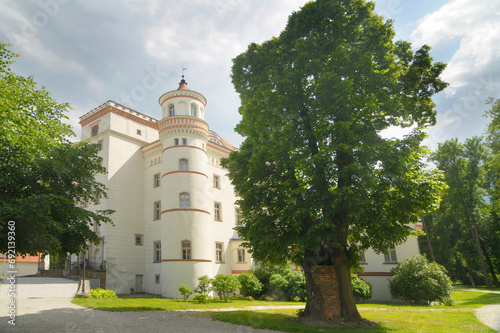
(175, 208)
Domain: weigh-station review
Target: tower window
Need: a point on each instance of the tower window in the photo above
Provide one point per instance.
(183, 165)
(186, 250)
(218, 252)
(157, 210)
(176, 142)
(139, 132)
(237, 215)
(216, 181)
(193, 110)
(171, 110)
(184, 200)
(217, 211)
(156, 180)
(157, 251)
(184, 141)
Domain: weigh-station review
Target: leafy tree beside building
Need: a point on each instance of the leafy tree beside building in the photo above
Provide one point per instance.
(317, 178)
(43, 176)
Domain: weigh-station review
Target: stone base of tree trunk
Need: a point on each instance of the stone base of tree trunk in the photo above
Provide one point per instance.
(323, 296)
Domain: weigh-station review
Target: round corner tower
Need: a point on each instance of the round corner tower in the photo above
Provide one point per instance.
(185, 207)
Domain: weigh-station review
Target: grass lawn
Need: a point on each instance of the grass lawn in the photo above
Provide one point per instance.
(389, 318)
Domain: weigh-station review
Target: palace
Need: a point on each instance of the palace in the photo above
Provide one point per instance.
(175, 208)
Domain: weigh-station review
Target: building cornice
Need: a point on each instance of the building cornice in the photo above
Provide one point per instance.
(120, 110)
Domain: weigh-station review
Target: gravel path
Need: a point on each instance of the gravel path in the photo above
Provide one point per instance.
(43, 305)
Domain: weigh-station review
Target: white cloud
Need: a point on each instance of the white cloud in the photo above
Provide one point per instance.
(476, 24)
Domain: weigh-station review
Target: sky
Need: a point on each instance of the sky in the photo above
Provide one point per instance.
(132, 51)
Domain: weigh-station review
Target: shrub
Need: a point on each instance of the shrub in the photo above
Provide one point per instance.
(264, 273)
(362, 290)
(204, 285)
(250, 285)
(102, 293)
(185, 291)
(225, 285)
(202, 298)
(420, 282)
(291, 285)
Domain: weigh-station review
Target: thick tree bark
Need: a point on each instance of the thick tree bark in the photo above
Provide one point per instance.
(329, 290)
(467, 264)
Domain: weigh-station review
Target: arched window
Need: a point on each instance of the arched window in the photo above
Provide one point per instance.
(186, 249)
(193, 110)
(171, 110)
(184, 200)
(183, 165)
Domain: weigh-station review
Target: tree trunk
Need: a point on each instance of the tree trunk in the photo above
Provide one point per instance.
(490, 265)
(329, 292)
(473, 283)
(428, 238)
(475, 235)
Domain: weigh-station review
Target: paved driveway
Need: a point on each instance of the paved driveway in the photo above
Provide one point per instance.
(43, 305)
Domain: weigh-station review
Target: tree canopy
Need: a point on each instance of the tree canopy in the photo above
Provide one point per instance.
(318, 178)
(44, 177)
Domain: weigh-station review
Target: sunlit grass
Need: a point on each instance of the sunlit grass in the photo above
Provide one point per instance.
(459, 317)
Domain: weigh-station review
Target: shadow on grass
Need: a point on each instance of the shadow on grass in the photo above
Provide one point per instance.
(275, 320)
(480, 299)
(129, 309)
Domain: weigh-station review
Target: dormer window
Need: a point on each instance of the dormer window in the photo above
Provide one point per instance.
(171, 110)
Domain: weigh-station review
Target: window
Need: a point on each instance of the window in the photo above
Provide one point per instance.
(362, 258)
(139, 132)
(99, 144)
(183, 165)
(390, 256)
(156, 180)
(184, 141)
(216, 181)
(138, 239)
(95, 130)
(176, 142)
(97, 199)
(157, 251)
(171, 110)
(186, 250)
(217, 211)
(237, 215)
(184, 200)
(157, 211)
(218, 252)
(241, 255)
(193, 110)
(157, 278)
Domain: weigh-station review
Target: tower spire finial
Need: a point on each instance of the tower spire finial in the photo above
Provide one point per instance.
(183, 83)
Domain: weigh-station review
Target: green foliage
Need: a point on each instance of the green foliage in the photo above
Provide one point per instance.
(264, 272)
(362, 290)
(204, 285)
(102, 293)
(202, 298)
(291, 285)
(185, 291)
(43, 176)
(250, 285)
(420, 282)
(225, 285)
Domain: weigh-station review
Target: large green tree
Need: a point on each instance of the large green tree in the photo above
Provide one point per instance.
(43, 176)
(318, 179)
(464, 207)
